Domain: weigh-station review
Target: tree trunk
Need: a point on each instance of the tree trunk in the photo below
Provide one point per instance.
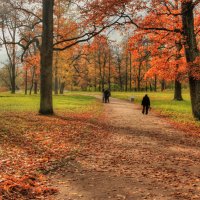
(62, 87)
(163, 85)
(138, 86)
(56, 84)
(13, 83)
(191, 52)
(126, 78)
(155, 84)
(130, 86)
(95, 78)
(35, 87)
(178, 87)
(109, 72)
(150, 87)
(13, 70)
(46, 102)
(178, 91)
(103, 73)
(56, 75)
(120, 77)
(146, 87)
(100, 71)
(139, 76)
(26, 82)
(32, 81)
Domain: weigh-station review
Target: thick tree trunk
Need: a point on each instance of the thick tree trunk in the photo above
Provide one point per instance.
(178, 91)
(191, 52)
(46, 103)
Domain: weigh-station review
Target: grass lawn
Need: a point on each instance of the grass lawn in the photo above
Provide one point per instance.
(67, 103)
(79, 102)
(163, 102)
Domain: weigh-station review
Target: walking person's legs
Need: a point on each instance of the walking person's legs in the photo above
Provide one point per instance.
(106, 99)
(143, 109)
(147, 110)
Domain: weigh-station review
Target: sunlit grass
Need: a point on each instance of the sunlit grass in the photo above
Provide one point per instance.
(68, 102)
(84, 101)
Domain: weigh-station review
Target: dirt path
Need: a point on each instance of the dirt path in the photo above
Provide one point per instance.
(140, 157)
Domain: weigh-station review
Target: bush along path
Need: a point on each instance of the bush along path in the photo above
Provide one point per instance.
(128, 155)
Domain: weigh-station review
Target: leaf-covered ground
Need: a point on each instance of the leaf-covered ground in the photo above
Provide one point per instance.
(118, 155)
(33, 146)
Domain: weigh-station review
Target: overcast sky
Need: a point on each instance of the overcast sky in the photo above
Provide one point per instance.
(3, 56)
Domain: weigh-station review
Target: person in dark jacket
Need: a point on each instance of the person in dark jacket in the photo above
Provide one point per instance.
(107, 96)
(145, 104)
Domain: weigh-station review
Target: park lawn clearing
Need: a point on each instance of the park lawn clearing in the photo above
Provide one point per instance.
(69, 102)
(32, 145)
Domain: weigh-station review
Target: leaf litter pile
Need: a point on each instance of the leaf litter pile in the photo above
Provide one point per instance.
(31, 146)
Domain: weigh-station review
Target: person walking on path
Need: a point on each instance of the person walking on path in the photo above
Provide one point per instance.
(107, 95)
(145, 104)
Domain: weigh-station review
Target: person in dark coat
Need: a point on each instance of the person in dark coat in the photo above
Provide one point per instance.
(107, 96)
(145, 104)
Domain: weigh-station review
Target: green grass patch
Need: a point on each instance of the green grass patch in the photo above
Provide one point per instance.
(69, 102)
